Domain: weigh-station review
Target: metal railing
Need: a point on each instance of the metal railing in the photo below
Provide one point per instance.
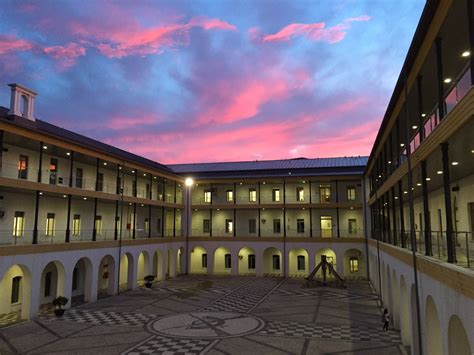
(270, 232)
(463, 245)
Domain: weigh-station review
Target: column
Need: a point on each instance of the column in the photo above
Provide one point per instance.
(310, 211)
(162, 221)
(97, 175)
(439, 67)
(389, 224)
(134, 225)
(35, 227)
(68, 221)
(402, 216)
(149, 221)
(447, 204)
(337, 211)
(394, 217)
(426, 211)
(116, 220)
(94, 230)
(174, 221)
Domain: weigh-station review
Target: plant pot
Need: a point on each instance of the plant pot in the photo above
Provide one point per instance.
(59, 312)
(148, 284)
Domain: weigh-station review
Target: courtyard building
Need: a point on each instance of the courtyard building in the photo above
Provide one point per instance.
(86, 220)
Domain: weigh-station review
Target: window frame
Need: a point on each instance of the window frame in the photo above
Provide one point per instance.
(19, 224)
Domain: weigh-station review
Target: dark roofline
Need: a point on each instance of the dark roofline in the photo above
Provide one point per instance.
(79, 139)
(422, 28)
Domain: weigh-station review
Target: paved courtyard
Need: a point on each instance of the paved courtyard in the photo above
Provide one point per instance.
(214, 315)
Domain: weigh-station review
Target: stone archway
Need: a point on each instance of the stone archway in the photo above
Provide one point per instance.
(433, 336)
(246, 261)
(198, 260)
(106, 277)
(15, 291)
(298, 263)
(458, 341)
(222, 261)
(272, 263)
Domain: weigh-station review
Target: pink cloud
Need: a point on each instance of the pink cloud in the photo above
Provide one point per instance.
(124, 123)
(317, 32)
(244, 97)
(12, 44)
(67, 54)
(134, 39)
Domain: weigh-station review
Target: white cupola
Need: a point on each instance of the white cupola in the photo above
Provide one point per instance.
(22, 101)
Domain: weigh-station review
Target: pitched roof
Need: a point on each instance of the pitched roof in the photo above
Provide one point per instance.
(58, 132)
(325, 166)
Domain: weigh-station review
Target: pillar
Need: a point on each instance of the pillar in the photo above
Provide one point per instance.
(447, 204)
(426, 210)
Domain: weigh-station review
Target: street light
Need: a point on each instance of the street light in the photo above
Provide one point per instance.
(189, 182)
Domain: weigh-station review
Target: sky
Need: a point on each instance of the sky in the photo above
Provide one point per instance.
(218, 80)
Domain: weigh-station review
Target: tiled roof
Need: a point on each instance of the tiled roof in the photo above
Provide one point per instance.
(284, 164)
(55, 131)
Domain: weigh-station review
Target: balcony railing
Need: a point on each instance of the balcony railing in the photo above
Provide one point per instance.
(270, 232)
(463, 245)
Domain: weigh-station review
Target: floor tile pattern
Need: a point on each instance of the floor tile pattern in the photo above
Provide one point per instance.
(244, 298)
(106, 318)
(329, 331)
(167, 346)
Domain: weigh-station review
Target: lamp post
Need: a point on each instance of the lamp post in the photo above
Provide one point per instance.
(189, 182)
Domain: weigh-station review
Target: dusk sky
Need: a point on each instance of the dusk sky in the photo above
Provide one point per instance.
(220, 80)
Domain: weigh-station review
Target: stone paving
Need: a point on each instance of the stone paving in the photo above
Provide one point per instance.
(214, 315)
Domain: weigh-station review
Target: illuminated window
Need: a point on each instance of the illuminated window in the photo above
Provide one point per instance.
(117, 223)
(76, 225)
(207, 196)
(324, 193)
(351, 193)
(229, 226)
(230, 195)
(147, 225)
(98, 225)
(276, 195)
(18, 224)
(300, 194)
(354, 264)
(50, 224)
(252, 195)
(23, 167)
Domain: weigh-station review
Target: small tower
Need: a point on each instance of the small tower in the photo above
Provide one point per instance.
(22, 101)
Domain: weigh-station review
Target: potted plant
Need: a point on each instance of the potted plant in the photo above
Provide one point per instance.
(148, 280)
(59, 302)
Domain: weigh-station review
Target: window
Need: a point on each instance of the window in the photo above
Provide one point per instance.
(276, 195)
(100, 182)
(251, 261)
(206, 225)
(352, 226)
(50, 224)
(119, 185)
(351, 193)
(207, 196)
(98, 225)
(75, 275)
(325, 193)
(79, 178)
(230, 195)
(252, 195)
(276, 262)
(134, 187)
(147, 225)
(204, 260)
(227, 261)
(147, 191)
(252, 226)
(300, 194)
(276, 226)
(16, 284)
(47, 284)
(53, 171)
(301, 266)
(18, 224)
(23, 167)
(300, 225)
(229, 226)
(76, 225)
(354, 264)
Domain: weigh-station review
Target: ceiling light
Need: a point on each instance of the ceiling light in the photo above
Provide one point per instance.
(189, 182)
(64, 196)
(412, 188)
(105, 163)
(144, 174)
(240, 183)
(218, 209)
(390, 162)
(84, 198)
(263, 209)
(68, 153)
(414, 127)
(133, 171)
(402, 144)
(129, 203)
(380, 176)
(447, 80)
(40, 193)
(396, 197)
(352, 208)
(465, 54)
(45, 147)
(120, 168)
(454, 163)
(143, 205)
(423, 115)
(303, 208)
(405, 192)
(304, 182)
(263, 182)
(195, 209)
(428, 179)
(472, 151)
(439, 172)
(418, 184)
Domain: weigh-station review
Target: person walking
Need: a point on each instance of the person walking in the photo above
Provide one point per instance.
(385, 319)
